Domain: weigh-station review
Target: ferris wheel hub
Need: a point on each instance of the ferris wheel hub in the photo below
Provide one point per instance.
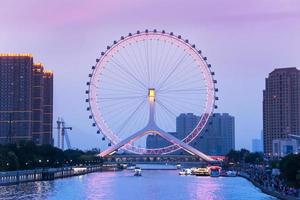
(151, 94)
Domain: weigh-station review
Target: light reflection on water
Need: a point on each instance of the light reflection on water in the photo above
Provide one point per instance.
(153, 185)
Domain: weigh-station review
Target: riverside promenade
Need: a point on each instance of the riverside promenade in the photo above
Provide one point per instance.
(21, 176)
(268, 189)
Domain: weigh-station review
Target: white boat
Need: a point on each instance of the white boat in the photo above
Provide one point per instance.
(137, 171)
(231, 173)
(185, 172)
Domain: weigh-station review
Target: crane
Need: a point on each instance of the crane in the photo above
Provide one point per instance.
(62, 134)
(58, 131)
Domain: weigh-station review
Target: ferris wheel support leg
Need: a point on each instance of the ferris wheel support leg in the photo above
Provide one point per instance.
(191, 150)
(167, 136)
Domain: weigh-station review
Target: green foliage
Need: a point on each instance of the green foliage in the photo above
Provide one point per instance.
(254, 158)
(290, 168)
(27, 155)
(244, 156)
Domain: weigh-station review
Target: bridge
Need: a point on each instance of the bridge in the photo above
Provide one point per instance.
(170, 159)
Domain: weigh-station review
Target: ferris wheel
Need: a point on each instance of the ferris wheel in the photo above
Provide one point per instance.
(142, 83)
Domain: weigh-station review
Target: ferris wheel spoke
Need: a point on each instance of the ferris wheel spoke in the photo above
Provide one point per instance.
(125, 76)
(128, 64)
(183, 84)
(127, 81)
(118, 91)
(118, 112)
(183, 108)
(163, 106)
(181, 75)
(182, 90)
(184, 102)
(118, 87)
(166, 60)
(167, 119)
(121, 98)
(160, 54)
(171, 73)
(140, 52)
(154, 64)
(119, 84)
(130, 116)
(136, 62)
(129, 73)
(114, 107)
(136, 121)
(147, 61)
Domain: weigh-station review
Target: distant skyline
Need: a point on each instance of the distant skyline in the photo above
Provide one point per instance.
(243, 40)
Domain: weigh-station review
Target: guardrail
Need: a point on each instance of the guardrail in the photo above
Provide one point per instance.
(15, 177)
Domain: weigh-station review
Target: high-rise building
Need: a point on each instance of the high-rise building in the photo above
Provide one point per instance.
(156, 141)
(257, 145)
(48, 107)
(185, 123)
(281, 106)
(24, 100)
(37, 102)
(15, 97)
(217, 138)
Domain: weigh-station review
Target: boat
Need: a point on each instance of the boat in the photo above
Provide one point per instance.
(201, 171)
(137, 171)
(214, 171)
(185, 172)
(231, 173)
(130, 167)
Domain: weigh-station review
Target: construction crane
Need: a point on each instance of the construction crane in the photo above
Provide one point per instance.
(62, 134)
(58, 131)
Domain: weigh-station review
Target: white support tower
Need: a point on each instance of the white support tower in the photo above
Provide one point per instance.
(151, 128)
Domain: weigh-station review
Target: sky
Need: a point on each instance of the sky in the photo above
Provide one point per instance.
(243, 40)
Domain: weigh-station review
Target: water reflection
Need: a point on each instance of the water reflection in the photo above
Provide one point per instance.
(153, 185)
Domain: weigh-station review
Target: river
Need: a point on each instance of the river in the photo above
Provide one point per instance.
(152, 185)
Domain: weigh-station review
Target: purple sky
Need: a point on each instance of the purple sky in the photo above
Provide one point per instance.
(243, 40)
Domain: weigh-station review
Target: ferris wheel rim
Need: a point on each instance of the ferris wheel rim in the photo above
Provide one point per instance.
(113, 137)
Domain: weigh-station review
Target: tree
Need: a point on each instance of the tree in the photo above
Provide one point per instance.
(289, 166)
(12, 161)
(254, 158)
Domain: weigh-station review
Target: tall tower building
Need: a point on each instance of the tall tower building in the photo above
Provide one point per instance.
(26, 100)
(37, 102)
(48, 107)
(281, 106)
(15, 97)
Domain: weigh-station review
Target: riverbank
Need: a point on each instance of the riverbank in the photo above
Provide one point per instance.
(266, 190)
(22, 176)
